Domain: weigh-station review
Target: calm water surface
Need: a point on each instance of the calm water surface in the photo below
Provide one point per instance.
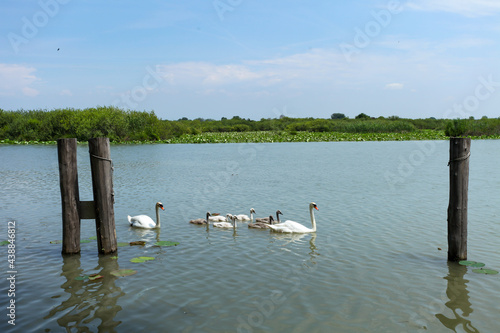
(376, 264)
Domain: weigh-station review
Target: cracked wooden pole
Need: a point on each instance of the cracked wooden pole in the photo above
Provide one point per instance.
(457, 208)
(70, 197)
(102, 184)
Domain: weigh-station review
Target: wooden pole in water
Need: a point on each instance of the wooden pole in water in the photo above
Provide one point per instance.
(102, 183)
(70, 197)
(457, 209)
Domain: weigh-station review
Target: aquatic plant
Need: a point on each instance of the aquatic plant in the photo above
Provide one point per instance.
(142, 259)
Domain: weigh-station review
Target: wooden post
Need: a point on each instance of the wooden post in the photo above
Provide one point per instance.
(70, 197)
(102, 183)
(457, 209)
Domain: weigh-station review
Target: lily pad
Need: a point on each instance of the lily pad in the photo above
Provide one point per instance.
(141, 259)
(85, 241)
(123, 272)
(93, 238)
(82, 277)
(56, 242)
(142, 243)
(166, 243)
(471, 263)
(93, 277)
(2, 243)
(485, 271)
(119, 244)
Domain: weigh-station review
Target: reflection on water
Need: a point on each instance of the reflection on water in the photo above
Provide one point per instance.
(458, 296)
(373, 265)
(88, 301)
(147, 235)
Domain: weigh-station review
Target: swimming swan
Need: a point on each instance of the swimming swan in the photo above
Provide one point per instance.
(231, 224)
(243, 217)
(266, 219)
(144, 221)
(200, 220)
(217, 218)
(262, 225)
(294, 227)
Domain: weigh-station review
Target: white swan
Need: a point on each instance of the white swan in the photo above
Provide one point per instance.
(144, 221)
(266, 219)
(217, 218)
(243, 217)
(262, 225)
(294, 227)
(200, 220)
(231, 224)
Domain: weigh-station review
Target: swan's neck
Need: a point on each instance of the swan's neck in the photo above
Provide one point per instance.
(313, 220)
(157, 217)
(251, 216)
(277, 217)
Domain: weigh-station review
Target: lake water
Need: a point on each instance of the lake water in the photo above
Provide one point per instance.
(377, 263)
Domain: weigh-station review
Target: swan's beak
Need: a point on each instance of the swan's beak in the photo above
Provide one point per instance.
(316, 207)
(164, 208)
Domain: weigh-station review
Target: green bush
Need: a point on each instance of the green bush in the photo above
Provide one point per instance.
(456, 128)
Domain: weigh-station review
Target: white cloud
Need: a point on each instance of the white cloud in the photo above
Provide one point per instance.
(16, 79)
(312, 66)
(66, 92)
(324, 72)
(30, 91)
(462, 7)
(394, 86)
(205, 73)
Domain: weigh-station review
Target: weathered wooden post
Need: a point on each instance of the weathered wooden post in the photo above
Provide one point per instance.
(457, 209)
(102, 183)
(70, 197)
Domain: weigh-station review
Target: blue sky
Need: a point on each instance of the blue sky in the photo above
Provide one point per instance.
(254, 59)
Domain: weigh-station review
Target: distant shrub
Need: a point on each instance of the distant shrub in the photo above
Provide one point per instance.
(456, 128)
(337, 116)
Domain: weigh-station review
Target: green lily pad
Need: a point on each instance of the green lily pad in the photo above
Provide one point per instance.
(485, 271)
(85, 241)
(119, 244)
(123, 272)
(56, 242)
(2, 243)
(82, 277)
(93, 238)
(471, 263)
(166, 243)
(114, 257)
(141, 259)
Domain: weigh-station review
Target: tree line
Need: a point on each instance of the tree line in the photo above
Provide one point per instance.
(126, 125)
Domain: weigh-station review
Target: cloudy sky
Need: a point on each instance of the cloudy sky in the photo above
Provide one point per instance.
(253, 58)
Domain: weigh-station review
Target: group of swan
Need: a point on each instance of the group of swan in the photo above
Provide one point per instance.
(144, 221)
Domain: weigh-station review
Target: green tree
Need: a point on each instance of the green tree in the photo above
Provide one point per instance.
(362, 116)
(337, 116)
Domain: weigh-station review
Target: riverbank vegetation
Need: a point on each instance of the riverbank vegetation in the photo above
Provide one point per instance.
(139, 127)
